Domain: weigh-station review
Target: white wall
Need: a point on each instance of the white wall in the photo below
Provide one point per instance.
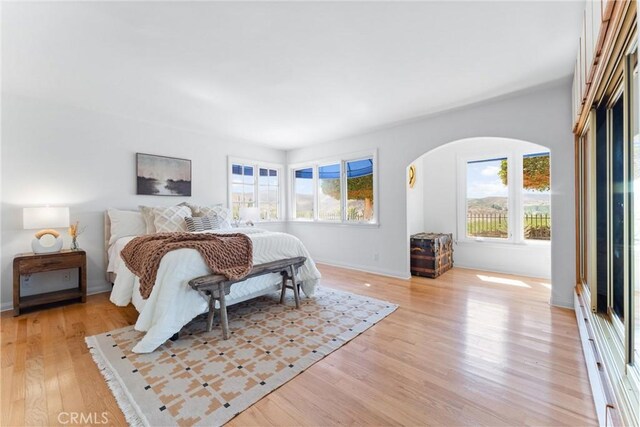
(541, 115)
(67, 156)
(59, 155)
(441, 201)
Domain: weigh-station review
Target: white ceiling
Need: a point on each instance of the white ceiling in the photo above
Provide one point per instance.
(283, 74)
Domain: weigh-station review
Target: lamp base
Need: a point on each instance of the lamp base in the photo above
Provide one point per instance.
(39, 248)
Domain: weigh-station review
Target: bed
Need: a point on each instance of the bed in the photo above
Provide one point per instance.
(172, 303)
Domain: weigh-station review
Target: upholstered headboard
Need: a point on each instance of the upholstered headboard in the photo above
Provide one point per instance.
(111, 277)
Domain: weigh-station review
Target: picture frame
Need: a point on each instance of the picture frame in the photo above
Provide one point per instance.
(162, 175)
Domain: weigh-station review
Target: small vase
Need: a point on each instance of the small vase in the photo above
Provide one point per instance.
(74, 244)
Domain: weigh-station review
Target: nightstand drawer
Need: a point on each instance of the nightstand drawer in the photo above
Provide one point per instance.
(46, 263)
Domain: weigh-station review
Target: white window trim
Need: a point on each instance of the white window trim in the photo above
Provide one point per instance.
(515, 199)
(257, 165)
(341, 160)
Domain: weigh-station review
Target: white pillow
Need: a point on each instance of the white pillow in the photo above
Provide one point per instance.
(222, 214)
(147, 214)
(170, 219)
(125, 223)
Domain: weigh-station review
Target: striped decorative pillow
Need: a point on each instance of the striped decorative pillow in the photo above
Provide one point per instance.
(202, 223)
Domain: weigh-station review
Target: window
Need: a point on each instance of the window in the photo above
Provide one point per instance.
(493, 207)
(609, 221)
(254, 184)
(243, 188)
(487, 199)
(303, 193)
(617, 206)
(360, 190)
(329, 193)
(536, 196)
(268, 193)
(341, 191)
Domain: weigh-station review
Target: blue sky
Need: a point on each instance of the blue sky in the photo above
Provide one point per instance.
(483, 180)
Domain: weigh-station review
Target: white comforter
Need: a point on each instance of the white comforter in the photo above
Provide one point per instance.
(172, 303)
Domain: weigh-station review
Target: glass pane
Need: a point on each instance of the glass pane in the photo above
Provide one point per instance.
(273, 195)
(236, 173)
(264, 211)
(487, 199)
(360, 190)
(617, 207)
(263, 195)
(264, 177)
(536, 196)
(585, 206)
(329, 194)
(235, 210)
(303, 185)
(635, 120)
(273, 177)
(249, 196)
(236, 193)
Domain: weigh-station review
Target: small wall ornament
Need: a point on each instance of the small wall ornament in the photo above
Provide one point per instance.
(412, 176)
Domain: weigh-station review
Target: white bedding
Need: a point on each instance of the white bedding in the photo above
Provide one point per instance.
(172, 303)
(113, 253)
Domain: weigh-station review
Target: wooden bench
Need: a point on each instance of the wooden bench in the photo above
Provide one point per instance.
(215, 287)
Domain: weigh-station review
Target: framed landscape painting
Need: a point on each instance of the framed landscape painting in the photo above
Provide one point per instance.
(163, 176)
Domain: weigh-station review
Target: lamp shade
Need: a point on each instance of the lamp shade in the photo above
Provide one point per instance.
(45, 217)
(249, 214)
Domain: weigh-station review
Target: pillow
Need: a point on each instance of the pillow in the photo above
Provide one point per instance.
(147, 215)
(125, 223)
(223, 214)
(202, 223)
(170, 219)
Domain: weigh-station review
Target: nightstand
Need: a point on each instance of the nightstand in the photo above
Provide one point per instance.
(39, 263)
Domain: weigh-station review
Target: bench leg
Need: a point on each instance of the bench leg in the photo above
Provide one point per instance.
(294, 285)
(223, 317)
(284, 286)
(212, 306)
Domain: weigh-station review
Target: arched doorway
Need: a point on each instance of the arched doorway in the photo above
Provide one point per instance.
(494, 196)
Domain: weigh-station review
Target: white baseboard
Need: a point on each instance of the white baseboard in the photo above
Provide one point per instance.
(6, 306)
(93, 287)
(364, 268)
(561, 303)
(98, 287)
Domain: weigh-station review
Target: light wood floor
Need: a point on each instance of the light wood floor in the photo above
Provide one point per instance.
(469, 348)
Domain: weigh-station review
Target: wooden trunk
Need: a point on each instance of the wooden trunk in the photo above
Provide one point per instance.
(431, 254)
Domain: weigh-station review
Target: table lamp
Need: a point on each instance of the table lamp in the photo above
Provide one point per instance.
(47, 240)
(249, 215)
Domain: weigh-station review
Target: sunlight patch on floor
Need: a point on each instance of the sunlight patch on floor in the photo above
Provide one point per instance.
(503, 281)
(545, 284)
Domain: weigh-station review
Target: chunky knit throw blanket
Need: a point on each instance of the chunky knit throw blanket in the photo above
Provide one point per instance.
(228, 254)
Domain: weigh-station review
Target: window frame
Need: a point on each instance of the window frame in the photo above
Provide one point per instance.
(314, 165)
(257, 165)
(515, 202)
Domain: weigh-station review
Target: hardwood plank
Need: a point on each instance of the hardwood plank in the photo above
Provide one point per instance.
(467, 348)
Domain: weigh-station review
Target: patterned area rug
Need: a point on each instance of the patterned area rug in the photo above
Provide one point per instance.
(202, 379)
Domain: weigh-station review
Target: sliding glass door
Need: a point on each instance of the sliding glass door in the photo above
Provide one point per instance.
(608, 204)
